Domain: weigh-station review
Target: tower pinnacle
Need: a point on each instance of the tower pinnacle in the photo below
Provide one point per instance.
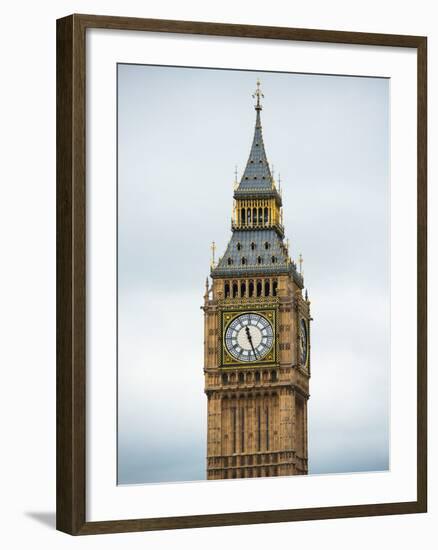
(213, 250)
(258, 94)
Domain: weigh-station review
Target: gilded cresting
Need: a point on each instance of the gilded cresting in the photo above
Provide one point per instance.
(257, 337)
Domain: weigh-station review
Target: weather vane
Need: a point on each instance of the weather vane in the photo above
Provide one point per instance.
(258, 94)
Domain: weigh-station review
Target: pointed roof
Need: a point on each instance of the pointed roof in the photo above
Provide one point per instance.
(252, 253)
(257, 174)
(257, 177)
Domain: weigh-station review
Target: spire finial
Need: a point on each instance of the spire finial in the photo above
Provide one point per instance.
(300, 261)
(213, 250)
(279, 182)
(235, 177)
(258, 94)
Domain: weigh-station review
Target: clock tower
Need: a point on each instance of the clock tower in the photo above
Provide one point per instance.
(257, 336)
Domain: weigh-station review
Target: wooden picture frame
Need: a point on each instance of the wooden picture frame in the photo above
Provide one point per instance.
(71, 273)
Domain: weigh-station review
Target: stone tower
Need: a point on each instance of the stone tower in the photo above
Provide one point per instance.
(257, 337)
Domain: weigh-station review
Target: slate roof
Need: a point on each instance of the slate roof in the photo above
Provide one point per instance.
(257, 174)
(256, 180)
(250, 254)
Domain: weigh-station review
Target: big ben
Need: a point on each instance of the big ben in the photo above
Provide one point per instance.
(257, 336)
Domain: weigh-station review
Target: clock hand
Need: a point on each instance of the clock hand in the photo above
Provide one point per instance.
(248, 334)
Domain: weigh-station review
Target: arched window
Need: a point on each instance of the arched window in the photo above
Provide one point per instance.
(242, 288)
(254, 216)
(274, 259)
(242, 216)
(267, 245)
(227, 290)
(251, 289)
(238, 246)
(273, 376)
(260, 216)
(243, 261)
(267, 288)
(274, 288)
(266, 216)
(241, 378)
(225, 379)
(230, 261)
(257, 376)
(253, 245)
(235, 290)
(259, 260)
(248, 212)
(259, 288)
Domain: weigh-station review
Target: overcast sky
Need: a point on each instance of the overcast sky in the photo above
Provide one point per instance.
(181, 131)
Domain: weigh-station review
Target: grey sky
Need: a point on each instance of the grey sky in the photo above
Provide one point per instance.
(181, 131)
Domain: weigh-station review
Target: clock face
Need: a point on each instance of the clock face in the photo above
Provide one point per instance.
(303, 342)
(249, 337)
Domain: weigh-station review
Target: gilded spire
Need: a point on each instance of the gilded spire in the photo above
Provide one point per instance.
(300, 261)
(235, 183)
(213, 250)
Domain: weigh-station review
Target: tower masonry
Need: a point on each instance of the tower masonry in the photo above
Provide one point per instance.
(256, 336)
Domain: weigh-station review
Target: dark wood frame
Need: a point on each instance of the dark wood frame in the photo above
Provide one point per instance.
(71, 266)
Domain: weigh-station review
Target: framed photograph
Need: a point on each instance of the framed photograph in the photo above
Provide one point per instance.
(241, 274)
